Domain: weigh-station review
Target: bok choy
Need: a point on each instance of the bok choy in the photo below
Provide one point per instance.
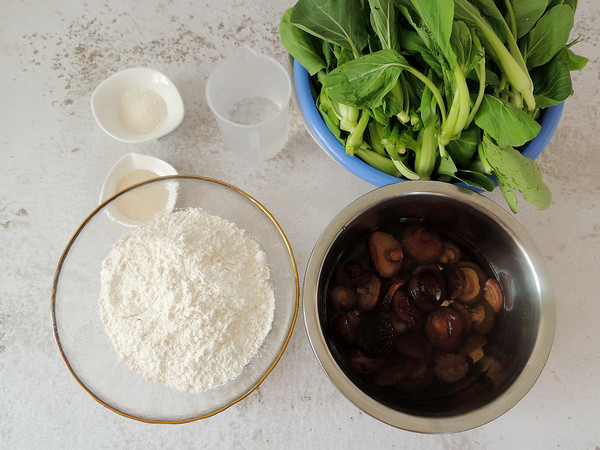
(446, 90)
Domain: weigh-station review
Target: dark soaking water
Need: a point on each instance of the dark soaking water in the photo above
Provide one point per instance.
(414, 316)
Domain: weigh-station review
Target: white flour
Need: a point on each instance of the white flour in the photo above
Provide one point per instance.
(186, 299)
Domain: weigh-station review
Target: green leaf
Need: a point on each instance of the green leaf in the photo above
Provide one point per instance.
(549, 35)
(476, 179)
(463, 148)
(411, 43)
(364, 82)
(461, 43)
(469, 177)
(391, 106)
(491, 78)
(571, 3)
(438, 17)
(447, 166)
(380, 116)
(510, 60)
(329, 55)
(427, 107)
(527, 13)
(300, 45)
(494, 18)
(343, 55)
(552, 83)
(505, 122)
(341, 22)
(384, 23)
(515, 171)
(573, 61)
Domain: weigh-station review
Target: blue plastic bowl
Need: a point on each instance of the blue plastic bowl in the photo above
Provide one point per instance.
(316, 126)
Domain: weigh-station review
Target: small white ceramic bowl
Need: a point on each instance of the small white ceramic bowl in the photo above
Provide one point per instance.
(108, 95)
(126, 164)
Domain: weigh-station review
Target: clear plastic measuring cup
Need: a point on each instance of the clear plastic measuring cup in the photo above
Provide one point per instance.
(249, 95)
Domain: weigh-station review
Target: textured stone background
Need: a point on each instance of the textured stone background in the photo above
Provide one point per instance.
(54, 159)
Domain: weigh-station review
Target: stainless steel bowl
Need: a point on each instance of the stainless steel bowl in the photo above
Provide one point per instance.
(529, 311)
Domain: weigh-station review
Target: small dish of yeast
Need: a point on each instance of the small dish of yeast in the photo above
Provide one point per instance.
(140, 204)
(137, 105)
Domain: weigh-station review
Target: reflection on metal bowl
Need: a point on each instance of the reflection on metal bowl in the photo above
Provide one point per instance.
(522, 342)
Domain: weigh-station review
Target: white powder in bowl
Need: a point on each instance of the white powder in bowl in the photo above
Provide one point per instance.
(187, 299)
(142, 111)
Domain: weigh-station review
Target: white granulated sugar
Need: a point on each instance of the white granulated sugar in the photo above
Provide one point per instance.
(187, 299)
(142, 111)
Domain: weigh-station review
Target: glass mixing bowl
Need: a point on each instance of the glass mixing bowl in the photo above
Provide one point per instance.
(85, 346)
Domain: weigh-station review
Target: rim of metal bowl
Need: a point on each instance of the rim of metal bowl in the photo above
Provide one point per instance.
(70, 244)
(314, 124)
(310, 295)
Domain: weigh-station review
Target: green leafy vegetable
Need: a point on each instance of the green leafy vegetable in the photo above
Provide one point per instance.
(549, 35)
(446, 90)
(573, 61)
(505, 122)
(515, 171)
(527, 13)
(383, 21)
(552, 82)
(303, 44)
(340, 22)
(364, 82)
(462, 149)
(438, 17)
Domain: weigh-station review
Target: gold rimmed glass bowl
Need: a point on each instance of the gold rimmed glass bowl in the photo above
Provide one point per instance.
(84, 344)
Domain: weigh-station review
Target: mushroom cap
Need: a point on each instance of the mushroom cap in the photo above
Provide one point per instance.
(445, 328)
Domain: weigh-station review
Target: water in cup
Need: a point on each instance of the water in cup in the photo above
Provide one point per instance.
(252, 110)
(249, 95)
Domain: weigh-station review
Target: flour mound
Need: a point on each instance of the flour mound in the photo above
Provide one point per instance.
(186, 299)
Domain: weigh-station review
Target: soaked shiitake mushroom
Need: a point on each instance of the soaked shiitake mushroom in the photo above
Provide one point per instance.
(450, 254)
(493, 294)
(394, 370)
(356, 274)
(445, 328)
(464, 313)
(362, 363)
(415, 347)
(385, 302)
(406, 310)
(475, 280)
(427, 287)
(368, 295)
(420, 244)
(473, 347)
(386, 253)
(450, 367)
(343, 298)
(411, 310)
(375, 335)
(497, 372)
(420, 377)
(455, 281)
(482, 317)
(397, 323)
(343, 326)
